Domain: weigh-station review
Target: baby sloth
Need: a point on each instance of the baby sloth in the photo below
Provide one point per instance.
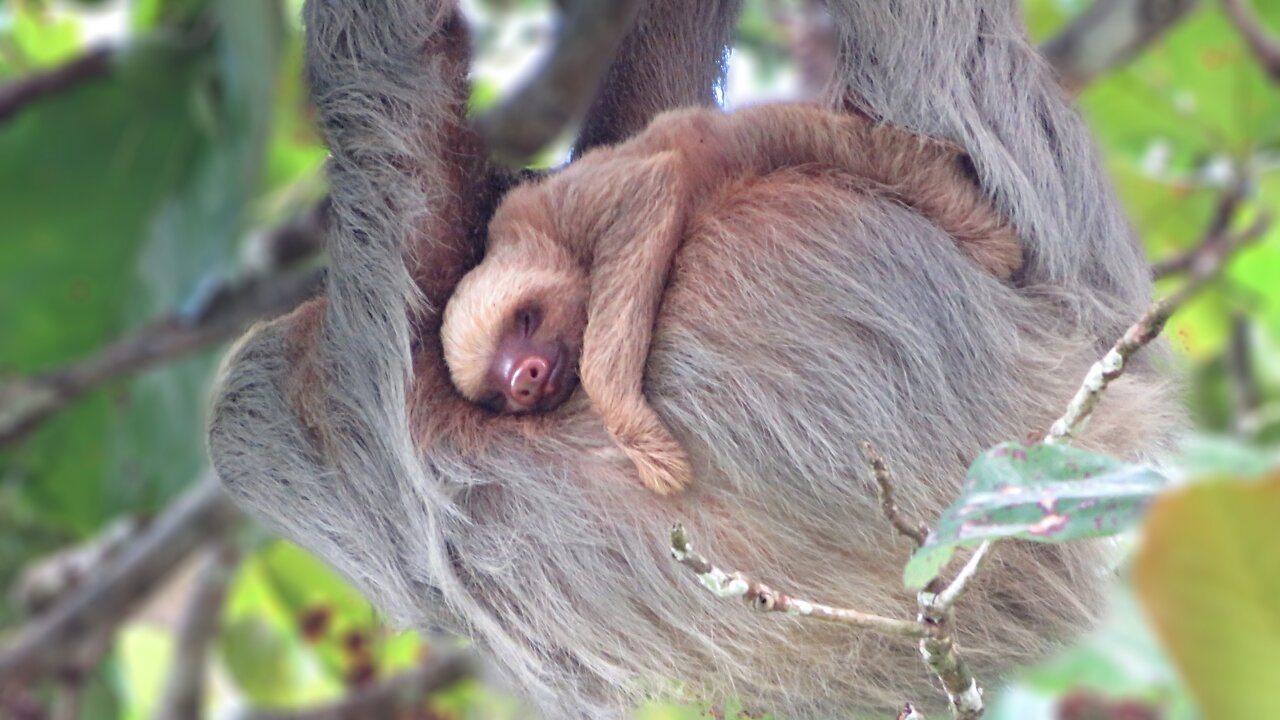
(576, 264)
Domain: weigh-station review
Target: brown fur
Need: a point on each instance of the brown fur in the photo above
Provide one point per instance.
(806, 310)
(592, 246)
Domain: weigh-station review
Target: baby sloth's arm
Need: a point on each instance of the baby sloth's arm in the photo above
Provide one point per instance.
(630, 261)
(931, 176)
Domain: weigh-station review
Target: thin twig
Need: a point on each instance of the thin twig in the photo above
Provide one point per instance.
(765, 599)
(15, 96)
(917, 532)
(184, 690)
(562, 91)
(26, 402)
(948, 597)
(938, 647)
(398, 696)
(1264, 45)
(108, 596)
(1203, 269)
(1109, 34)
(933, 626)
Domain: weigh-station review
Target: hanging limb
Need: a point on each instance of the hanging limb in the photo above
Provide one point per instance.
(562, 90)
(107, 597)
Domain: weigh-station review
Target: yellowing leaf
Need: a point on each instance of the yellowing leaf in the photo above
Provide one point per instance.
(1208, 575)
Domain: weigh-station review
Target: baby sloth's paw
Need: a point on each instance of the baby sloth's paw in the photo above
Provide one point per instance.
(664, 469)
(658, 457)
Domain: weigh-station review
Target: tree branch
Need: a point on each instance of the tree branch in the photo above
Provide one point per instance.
(933, 626)
(1109, 34)
(184, 692)
(15, 96)
(562, 91)
(73, 674)
(766, 599)
(25, 403)
(106, 598)
(1203, 267)
(1264, 45)
(1217, 241)
(49, 578)
(939, 651)
(909, 712)
(398, 696)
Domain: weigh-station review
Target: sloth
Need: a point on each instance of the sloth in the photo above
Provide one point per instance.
(575, 266)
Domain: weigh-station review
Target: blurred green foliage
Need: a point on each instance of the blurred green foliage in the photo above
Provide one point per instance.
(124, 197)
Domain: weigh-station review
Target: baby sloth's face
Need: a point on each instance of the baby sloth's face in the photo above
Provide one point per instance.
(512, 334)
(532, 367)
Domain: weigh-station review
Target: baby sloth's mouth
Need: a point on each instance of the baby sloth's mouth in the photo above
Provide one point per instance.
(560, 382)
(534, 376)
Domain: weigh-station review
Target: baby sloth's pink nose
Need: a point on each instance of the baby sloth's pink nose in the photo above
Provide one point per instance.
(530, 381)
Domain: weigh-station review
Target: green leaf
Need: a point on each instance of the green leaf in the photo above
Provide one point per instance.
(1045, 493)
(301, 582)
(77, 199)
(192, 241)
(41, 38)
(303, 586)
(261, 662)
(1208, 575)
(115, 221)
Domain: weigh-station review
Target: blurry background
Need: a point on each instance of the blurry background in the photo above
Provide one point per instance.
(158, 179)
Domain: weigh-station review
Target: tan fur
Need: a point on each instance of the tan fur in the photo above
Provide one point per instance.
(597, 241)
(806, 310)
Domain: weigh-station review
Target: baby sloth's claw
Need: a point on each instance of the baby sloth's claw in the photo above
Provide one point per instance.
(665, 471)
(659, 459)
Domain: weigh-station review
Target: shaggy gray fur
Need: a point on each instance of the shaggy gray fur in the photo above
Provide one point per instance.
(773, 360)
